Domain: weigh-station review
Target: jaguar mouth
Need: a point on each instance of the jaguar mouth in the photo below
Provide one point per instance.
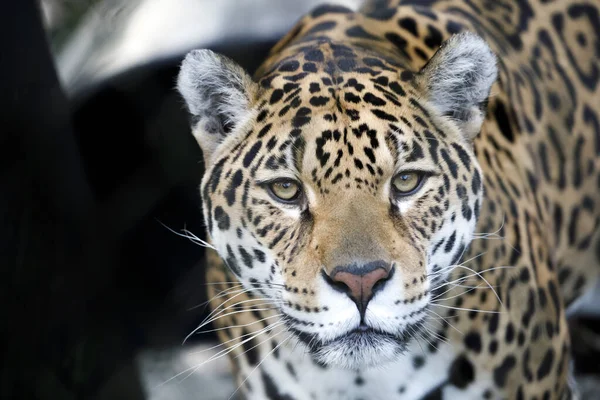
(365, 333)
(365, 337)
(363, 346)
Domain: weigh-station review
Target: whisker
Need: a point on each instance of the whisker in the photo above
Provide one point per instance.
(226, 315)
(446, 321)
(238, 282)
(189, 235)
(260, 331)
(236, 309)
(217, 309)
(496, 231)
(256, 345)
(450, 267)
(470, 289)
(220, 354)
(437, 335)
(240, 325)
(466, 309)
(259, 364)
(485, 280)
(220, 308)
(231, 291)
(413, 334)
(219, 295)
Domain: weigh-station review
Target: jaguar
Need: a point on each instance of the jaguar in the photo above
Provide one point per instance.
(403, 200)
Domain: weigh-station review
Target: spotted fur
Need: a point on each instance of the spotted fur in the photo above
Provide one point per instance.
(496, 104)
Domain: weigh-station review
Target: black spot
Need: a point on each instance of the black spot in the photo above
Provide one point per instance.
(434, 38)
(463, 156)
(450, 243)
(314, 87)
(289, 66)
(302, 117)
(346, 64)
(235, 182)
(309, 67)
(418, 362)
(341, 50)
(545, 365)
(315, 55)
(320, 27)
(352, 82)
(271, 389)
(369, 153)
(262, 115)
(395, 86)
(291, 370)
(276, 96)
(358, 32)
(554, 100)
(251, 154)
(265, 129)
(352, 98)
(476, 182)
(318, 101)
(493, 323)
(295, 78)
(374, 100)
(406, 76)
(231, 261)
(384, 116)
(246, 257)
(374, 62)
(382, 80)
(416, 153)
(353, 114)
(329, 9)
(420, 120)
(501, 372)
(451, 164)
(503, 122)
(222, 218)
(453, 27)
(409, 24)
(382, 13)
(473, 341)
(397, 41)
(510, 333)
(260, 255)
(461, 372)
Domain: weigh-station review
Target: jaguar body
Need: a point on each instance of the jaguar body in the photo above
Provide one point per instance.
(404, 199)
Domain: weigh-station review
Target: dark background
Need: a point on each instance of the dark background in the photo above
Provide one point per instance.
(90, 274)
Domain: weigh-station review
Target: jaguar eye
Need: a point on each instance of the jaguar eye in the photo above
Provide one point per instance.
(286, 190)
(406, 183)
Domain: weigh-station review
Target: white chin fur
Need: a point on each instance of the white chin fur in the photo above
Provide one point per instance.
(359, 354)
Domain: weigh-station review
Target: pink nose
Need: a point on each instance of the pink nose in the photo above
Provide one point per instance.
(359, 281)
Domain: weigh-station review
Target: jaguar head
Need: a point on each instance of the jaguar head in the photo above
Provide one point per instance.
(341, 186)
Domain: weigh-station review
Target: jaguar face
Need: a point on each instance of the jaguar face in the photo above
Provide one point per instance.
(343, 195)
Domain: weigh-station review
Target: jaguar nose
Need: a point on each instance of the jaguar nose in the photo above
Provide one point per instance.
(361, 281)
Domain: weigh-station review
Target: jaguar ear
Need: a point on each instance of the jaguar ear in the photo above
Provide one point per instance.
(218, 93)
(458, 78)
